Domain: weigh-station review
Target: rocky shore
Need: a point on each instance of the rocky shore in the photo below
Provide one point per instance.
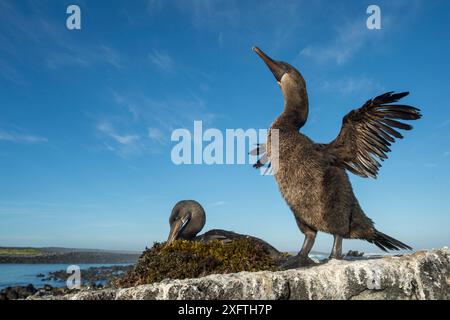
(93, 278)
(422, 275)
(23, 292)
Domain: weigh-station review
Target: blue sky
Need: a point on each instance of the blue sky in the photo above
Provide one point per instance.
(86, 116)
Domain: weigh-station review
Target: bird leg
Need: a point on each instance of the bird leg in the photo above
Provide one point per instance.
(302, 259)
(310, 238)
(336, 253)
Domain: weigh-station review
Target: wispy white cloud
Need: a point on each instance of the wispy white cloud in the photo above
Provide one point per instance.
(218, 203)
(348, 41)
(203, 13)
(11, 73)
(447, 154)
(350, 85)
(123, 144)
(164, 114)
(153, 120)
(18, 137)
(162, 60)
(351, 37)
(85, 56)
(110, 55)
(126, 139)
(269, 21)
(156, 135)
(52, 45)
(13, 21)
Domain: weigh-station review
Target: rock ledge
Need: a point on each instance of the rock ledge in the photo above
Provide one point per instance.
(422, 275)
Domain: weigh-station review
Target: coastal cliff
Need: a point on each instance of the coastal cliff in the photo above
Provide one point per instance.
(422, 275)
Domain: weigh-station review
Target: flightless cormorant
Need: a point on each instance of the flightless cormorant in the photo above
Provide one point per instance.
(312, 177)
(188, 219)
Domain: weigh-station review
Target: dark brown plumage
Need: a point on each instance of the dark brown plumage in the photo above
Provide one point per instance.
(368, 132)
(188, 218)
(312, 177)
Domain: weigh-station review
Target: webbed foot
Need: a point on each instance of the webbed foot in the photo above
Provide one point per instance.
(298, 262)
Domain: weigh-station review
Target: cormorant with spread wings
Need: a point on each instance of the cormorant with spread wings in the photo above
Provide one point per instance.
(312, 177)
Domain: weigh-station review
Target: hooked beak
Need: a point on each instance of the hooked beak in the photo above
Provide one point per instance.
(276, 69)
(176, 229)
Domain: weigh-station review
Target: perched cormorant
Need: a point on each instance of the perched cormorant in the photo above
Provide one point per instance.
(188, 219)
(312, 177)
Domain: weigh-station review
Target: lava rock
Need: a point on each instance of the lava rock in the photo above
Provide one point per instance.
(17, 292)
(423, 275)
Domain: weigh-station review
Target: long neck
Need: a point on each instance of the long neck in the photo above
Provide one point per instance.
(296, 108)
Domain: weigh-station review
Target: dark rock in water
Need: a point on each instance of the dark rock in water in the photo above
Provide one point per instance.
(48, 287)
(18, 292)
(24, 292)
(92, 277)
(40, 275)
(355, 253)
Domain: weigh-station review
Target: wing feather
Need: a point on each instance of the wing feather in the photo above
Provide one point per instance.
(368, 132)
(262, 158)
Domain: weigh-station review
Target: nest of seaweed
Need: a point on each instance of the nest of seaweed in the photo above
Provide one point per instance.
(192, 259)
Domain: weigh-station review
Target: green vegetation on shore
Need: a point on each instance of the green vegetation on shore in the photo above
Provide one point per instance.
(20, 251)
(192, 259)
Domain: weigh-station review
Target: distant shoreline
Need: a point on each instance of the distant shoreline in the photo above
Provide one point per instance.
(65, 256)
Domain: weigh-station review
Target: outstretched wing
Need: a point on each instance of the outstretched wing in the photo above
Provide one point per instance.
(368, 132)
(262, 158)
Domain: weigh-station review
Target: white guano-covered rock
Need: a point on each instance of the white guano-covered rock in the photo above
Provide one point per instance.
(422, 275)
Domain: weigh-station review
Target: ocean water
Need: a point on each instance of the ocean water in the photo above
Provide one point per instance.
(24, 274)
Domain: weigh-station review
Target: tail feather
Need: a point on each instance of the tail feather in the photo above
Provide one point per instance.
(385, 242)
